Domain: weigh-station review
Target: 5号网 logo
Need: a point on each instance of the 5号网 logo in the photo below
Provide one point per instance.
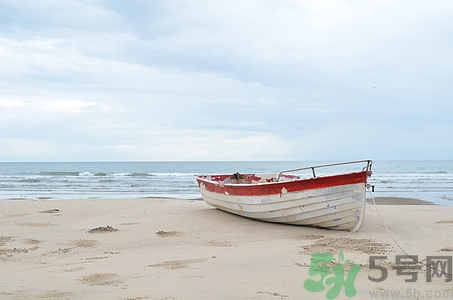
(333, 274)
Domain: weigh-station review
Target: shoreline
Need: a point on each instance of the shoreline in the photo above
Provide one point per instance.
(379, 200)
(399, 201)
(154, 248)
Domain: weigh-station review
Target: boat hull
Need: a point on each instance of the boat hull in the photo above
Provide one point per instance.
(333, 202)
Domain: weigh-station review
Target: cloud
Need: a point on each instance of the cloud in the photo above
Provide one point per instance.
(24, 147)
(73, 106)
(232, 80)
(7, 103)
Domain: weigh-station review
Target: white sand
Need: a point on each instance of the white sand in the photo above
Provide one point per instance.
(180, 249)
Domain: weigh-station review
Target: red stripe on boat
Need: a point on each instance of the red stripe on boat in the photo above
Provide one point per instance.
(262, 189)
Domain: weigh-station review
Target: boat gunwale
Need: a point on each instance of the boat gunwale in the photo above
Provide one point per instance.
(298, 178)
(275, 188)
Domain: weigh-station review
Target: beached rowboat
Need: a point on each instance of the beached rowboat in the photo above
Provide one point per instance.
(330, 201)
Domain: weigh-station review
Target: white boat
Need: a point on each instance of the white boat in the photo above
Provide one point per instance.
(331, 201)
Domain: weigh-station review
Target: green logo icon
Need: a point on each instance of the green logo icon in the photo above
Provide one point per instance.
(323, 264)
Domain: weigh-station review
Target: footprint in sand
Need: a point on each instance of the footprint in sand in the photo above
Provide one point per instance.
(9, 252)
(50, 211)
(221, 243)
(83, 243)
(445, 222)
(101, 279)
(168, 233)
(272, 294)
(36, 224)
(16, 215)
(54, 294)
(102, 229)
(73, 269)
(129, 223)
(177, 264)
(310, 237)
(447, 249)
(367, 246)
(6, 239)
(31, 242)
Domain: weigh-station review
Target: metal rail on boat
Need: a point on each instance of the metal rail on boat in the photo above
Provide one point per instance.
(367, 168)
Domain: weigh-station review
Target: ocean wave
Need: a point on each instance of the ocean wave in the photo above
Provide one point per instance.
(98, 174)
(30, 180)
(177, 179)
(174, 174)
(53, 173)
(85, 174)
(141, 174)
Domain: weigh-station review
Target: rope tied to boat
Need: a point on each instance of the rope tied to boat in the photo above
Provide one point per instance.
(394, 239)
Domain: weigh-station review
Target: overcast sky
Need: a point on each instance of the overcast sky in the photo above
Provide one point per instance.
(225, 80)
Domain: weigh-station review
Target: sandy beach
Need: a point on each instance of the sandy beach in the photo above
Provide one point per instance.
(152, 248)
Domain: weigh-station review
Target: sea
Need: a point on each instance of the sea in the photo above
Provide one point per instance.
(430, 180)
